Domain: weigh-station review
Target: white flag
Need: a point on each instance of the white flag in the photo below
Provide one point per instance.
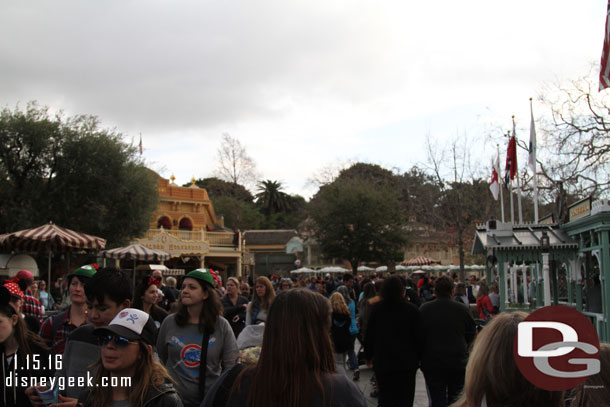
(532, 148)
(494, 186)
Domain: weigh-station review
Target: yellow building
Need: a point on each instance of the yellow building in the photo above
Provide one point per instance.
(186, 226)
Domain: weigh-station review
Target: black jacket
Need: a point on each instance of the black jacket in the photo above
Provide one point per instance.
(43, 364)
(394, 337)
(163, 396)
(235, 314)
(339, 332)
(449, 330)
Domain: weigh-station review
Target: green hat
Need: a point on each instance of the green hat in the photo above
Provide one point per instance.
(203, 275)
(84, 271)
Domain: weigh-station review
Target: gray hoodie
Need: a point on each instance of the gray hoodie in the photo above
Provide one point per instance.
(179, 349)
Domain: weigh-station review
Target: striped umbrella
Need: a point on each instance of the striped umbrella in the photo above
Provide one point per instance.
(420, 261)
(49, 238)
(135, 252)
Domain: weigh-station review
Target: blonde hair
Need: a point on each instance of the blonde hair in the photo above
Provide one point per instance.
(492, 373)
(337, 302)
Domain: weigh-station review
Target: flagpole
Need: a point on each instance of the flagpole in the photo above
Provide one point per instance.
(532, 162)
(501, 188)
(517, 175)
(510, 191)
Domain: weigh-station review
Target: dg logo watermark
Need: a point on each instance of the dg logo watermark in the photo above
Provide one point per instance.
(556, 348)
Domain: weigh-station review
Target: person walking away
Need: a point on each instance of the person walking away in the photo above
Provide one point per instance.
(484, 307)
(393, 344)
(126, 353)
(234, 306)
(196, 332)
(339, 330)
(472, 290)
(296, 367)
(460, 294)
(171, 287)
(353, 331)
(56, 329)
(449, 330)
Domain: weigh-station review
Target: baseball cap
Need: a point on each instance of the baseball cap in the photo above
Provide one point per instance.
(203, 275)
(132, 324)
(84, 271)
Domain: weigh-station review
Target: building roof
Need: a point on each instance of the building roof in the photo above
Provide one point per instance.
(268, 237)
(519, 237)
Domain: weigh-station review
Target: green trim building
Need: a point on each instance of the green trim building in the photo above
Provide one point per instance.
(550, 264)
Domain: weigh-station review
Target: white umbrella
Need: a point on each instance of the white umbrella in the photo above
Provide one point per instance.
(365, 268)
(400, 267)
(382, 268)
(333, 269)
(302, 270)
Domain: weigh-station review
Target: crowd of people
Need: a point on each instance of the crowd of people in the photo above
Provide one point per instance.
(282, 342)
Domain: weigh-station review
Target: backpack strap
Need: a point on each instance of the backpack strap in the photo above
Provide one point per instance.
(224, 390)
(203, 361)
(55, 325)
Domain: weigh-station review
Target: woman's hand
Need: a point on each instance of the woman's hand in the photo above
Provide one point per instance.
(33, 396)
(65, 402)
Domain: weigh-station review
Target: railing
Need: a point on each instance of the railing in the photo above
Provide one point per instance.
(223, 239)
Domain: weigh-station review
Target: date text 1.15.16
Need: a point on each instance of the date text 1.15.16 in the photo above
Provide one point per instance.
(40, 362)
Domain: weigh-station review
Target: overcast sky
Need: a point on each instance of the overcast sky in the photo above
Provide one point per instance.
(301, 83)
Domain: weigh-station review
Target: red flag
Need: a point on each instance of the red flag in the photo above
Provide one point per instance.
(604, 71)
(511, 161)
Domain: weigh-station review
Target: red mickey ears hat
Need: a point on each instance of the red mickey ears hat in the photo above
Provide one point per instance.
(13, 288)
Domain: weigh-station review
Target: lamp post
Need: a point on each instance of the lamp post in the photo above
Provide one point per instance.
(545, 245)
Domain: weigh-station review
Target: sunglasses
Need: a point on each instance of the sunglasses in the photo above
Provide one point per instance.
(119, 341)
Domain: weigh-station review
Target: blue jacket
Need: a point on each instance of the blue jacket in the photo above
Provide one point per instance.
(353, 328)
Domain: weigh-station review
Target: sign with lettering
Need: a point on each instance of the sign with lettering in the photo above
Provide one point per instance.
(580, 209)
(174, 246)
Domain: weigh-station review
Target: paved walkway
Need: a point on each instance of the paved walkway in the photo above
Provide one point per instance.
(421, 396)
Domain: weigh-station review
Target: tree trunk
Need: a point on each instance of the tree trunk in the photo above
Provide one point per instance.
(461, 252)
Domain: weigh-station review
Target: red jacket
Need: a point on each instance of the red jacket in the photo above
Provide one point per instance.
(484, 304)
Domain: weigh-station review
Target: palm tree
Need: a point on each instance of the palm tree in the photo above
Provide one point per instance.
(270, 197)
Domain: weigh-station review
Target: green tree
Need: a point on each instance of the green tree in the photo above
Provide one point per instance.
(217, 187)
(70, 171)
(358, 220)
(271, 198)
(249, 215)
